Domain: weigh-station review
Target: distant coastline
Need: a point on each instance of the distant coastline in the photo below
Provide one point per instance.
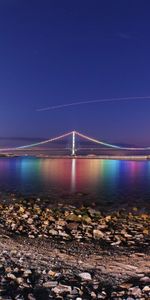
(103, 157)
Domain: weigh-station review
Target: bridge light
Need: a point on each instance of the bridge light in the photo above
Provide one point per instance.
(73, 143)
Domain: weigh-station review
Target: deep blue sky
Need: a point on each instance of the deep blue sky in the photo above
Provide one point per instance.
(54, 51)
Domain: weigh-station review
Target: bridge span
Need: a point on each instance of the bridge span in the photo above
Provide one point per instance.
(138, 152)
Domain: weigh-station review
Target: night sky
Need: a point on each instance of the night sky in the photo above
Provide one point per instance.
(62, 51)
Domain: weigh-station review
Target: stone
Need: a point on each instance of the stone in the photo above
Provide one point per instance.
(93, 295)
(85, 276)
(31, 236)
(86, 219)
(27, 272)
(50, 273)
(126, 285)
(75, 291)
(19, 280)
(97, 234)
(50, 284)
(135, 291)
(61, 289)
(74, 218)
(25, 216)
(53, 232)
(145, 279)
(31, 297)
(146, 288)
(11, 276)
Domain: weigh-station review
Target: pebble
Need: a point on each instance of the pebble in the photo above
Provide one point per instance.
(11, 276)
(97, 234)
(50, 284)
(146, 288)
(60, 289)
(85, 276)
(145, 279)
(135, 291)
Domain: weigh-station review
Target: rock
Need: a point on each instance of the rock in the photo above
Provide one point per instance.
(46, 222)
(31, 236)
(72, 226)
(13, 226)
(86, 219)
(13, 252)
(75, 291)
(116, 243)
(108, 218)
(146, 289)
(25, 216)
(53, 232)
(85, 276)
(61, 289)
(97, 234)
(93, 295)
(145, 279)
(135, 291)
(31, 297)
(8, 270)
(60, 223)
(74, 218)
(19, 280)
(11, 276)
(94, 212)
(63, 234)
(126, 285)
(50, 284)
(27, 272)
(21, 209)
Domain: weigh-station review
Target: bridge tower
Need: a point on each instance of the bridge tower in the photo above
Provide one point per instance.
(73, 152)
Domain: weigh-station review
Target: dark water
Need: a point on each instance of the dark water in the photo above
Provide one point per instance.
(109, 179)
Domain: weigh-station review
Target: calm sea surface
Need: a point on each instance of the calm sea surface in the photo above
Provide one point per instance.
(109, 179)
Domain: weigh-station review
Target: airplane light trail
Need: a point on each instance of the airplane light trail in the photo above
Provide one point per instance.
(91, 102)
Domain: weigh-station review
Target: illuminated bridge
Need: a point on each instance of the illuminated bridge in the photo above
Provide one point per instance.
(91, 147)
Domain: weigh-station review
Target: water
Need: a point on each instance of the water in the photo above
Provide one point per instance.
(114, 180)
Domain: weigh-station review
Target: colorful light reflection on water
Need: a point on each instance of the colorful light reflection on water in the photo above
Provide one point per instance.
(107, 178)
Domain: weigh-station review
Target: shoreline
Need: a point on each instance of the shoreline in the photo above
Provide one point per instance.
(101, 157)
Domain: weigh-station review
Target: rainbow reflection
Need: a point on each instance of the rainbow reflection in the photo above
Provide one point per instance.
(106, 178)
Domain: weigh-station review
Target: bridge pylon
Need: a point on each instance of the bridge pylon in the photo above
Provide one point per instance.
(73, 152)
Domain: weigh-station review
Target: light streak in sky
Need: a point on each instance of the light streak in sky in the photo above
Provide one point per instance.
(91, 102)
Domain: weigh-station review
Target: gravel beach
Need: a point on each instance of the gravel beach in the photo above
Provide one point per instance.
(70, 252)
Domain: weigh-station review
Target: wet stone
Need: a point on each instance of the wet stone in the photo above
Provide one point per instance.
(50, 284)
(85, 276)
(61, 289)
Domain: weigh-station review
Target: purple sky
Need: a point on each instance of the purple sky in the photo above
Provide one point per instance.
(56, 52)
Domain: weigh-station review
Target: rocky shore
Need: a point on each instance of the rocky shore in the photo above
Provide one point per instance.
(70, 252)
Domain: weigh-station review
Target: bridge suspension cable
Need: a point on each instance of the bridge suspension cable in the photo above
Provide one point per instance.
(37, 144)
(73, 134)
(110, 145)
(96, 141)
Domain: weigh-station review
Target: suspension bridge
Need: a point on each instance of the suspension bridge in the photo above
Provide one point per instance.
(74, 147)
